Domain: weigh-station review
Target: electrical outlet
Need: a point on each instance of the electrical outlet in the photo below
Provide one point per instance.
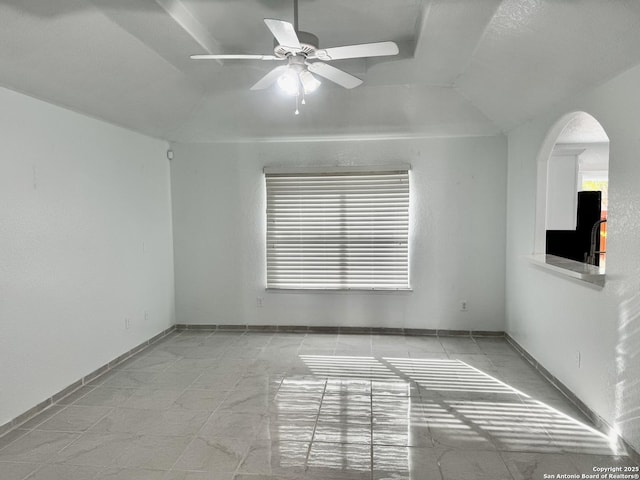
(464, 306)
(146, 316)
(259, 302)
(127, 323)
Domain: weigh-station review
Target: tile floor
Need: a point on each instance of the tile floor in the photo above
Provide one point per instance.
(253, 406)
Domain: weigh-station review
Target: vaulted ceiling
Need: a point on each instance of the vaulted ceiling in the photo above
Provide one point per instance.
(466, 67)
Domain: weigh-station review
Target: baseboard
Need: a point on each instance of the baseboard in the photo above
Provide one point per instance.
(55, 398)
(596, 419)
(342, 330)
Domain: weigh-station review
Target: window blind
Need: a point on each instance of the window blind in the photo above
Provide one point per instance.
(338, 230)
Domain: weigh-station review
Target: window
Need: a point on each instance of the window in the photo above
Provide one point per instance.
(338, 230)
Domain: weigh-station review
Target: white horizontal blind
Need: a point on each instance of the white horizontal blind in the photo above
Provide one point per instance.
(339, 230)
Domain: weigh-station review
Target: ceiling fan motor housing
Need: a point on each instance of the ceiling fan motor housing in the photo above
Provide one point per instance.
(308, 42)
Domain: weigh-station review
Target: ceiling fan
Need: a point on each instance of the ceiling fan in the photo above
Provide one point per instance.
(297, 49)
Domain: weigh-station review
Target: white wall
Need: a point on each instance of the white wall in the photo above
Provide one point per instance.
(78, 198)
(553, 317)
(457, 240)
(562, 192)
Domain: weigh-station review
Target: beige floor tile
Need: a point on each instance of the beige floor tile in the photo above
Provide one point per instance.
(296, 406)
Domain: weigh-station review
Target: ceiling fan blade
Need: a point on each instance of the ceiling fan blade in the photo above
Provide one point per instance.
(270, 78)
(378, 49)
(334, 74)
(235, 57)
(284, 32)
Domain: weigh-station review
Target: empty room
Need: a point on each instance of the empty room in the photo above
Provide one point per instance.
(319, 239)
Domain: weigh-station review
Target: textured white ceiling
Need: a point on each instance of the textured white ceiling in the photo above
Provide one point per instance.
(466, 67)
(534, 53)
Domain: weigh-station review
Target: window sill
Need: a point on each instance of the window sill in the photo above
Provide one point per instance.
(338, 290)
(569, 268)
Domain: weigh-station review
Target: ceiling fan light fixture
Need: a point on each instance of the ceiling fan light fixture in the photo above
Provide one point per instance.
(289, 83)
(299, 77)
(309, 83)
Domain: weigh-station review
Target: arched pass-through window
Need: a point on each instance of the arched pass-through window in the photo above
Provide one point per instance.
(572, 196)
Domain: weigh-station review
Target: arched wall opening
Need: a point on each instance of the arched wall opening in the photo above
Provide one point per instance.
(573, 158)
